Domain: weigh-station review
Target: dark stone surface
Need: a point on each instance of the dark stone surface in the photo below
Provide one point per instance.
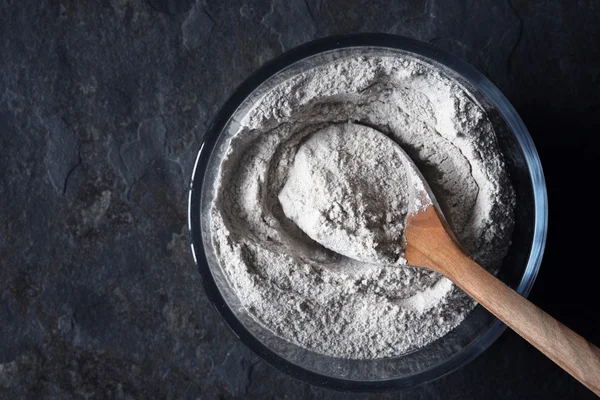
(103, 105)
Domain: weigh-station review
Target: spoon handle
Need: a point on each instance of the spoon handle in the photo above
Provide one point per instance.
(566, 348)
(431, 244)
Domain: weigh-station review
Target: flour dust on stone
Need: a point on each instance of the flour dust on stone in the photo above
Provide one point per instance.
(295, 230)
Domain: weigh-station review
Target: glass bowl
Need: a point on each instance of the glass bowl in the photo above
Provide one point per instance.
(479, 330)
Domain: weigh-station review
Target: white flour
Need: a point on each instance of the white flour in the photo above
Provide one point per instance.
(323, 300)
(348, 190)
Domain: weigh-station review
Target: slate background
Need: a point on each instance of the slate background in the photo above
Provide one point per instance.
(103, 105)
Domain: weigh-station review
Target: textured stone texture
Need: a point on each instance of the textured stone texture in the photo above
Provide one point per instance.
(103, 105)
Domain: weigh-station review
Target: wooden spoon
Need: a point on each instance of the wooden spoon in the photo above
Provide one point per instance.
(431, 244)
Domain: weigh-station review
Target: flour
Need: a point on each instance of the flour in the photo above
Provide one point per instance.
(276, 237)
(348, 190)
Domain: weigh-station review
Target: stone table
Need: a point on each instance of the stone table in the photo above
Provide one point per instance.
(103, 105)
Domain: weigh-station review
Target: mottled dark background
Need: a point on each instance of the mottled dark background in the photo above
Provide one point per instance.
(103, 104)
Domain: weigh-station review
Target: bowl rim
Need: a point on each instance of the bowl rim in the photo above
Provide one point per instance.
(379, 40)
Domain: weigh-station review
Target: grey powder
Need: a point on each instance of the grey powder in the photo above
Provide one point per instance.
(349, 191)
(324, 300)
